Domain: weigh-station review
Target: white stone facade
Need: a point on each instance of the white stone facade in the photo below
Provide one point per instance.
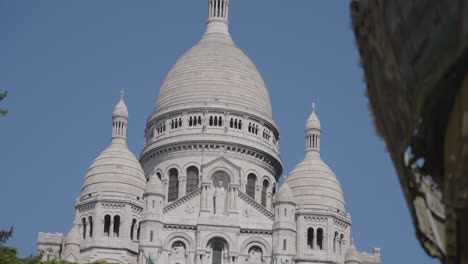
(204, 188)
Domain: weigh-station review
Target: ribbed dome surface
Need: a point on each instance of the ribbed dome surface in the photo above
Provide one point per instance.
(216, 72)
(352, 255)
(115, 172)
(73, 236)
(285, 194)
(314, 185)
(154, 186)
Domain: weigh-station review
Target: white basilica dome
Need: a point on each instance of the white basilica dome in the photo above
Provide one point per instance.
(313, 183)
(116, 171)
(215, 72)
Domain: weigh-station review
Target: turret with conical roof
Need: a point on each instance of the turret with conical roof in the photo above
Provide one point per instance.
(111, 197)
(322, 224)
(284, 227)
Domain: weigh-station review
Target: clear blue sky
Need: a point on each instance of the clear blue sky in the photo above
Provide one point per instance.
(64, 62)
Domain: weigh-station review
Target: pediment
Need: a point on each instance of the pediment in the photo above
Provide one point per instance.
(184, 208)
(253, 214)
(221, 161)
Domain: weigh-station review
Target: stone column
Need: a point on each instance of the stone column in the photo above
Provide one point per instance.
(268, 200)
(111, 228)
(324, 241)
(166, 190)
(182, 185)
(204, 198)
(258, 193)
(236, 195)
(315, 244)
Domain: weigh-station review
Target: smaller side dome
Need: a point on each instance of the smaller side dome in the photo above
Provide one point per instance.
(120, 109)
(352, 255)
(313, 122)
(285, 194)
(73, 237)
(154, 186)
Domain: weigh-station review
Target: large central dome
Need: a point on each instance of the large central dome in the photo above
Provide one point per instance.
(215, 72)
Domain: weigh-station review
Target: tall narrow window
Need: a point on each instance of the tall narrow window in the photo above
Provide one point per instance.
(335, 242)
(192, 179)
(83, 222)
(265, 191)
(310, 238)
(107, 222)
(341, 244)
(151, 236)
(173, 185)
(284, 244)
(320, 238)
(91, 223)
(251, 182)
(116, 226)
(138, 231)
(132, 229)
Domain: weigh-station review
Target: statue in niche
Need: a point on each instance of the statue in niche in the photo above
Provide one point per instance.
(177, 255)
(219, 198)
(255, 256)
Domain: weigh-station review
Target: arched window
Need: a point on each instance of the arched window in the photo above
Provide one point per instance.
(285, 212)
(158, 174)
(335, 242)
(107, 222)
(151, 236)
(138, 231)
(132, 229)
(192, 179)
(116, 225)
(173, 185)
(274, 189)
(251, 182)
(83, 222)
(265, 191)
(91, 223)
(217, 253)
(320, 238)
(341, 244)
(310, 238)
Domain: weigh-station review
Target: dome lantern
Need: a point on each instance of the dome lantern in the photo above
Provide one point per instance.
(120, 121)
(313, 130)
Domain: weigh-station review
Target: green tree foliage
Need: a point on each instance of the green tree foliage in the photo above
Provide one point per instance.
(8, 255)
(3, 111)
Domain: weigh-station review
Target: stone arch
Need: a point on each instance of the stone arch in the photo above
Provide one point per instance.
(256, 241)
(169, 167)
(208, 176)
(231, 246)
(190, 164)
(188, 240)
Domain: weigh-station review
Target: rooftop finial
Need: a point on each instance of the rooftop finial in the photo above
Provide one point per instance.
(122, 93)
(313, 107)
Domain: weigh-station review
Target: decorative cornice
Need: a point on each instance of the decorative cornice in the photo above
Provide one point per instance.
(256, 231)
(179, 227)
(211, 149)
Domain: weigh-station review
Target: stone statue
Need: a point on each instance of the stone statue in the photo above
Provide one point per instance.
(177, 255)
(219, 196)
(255, 256)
